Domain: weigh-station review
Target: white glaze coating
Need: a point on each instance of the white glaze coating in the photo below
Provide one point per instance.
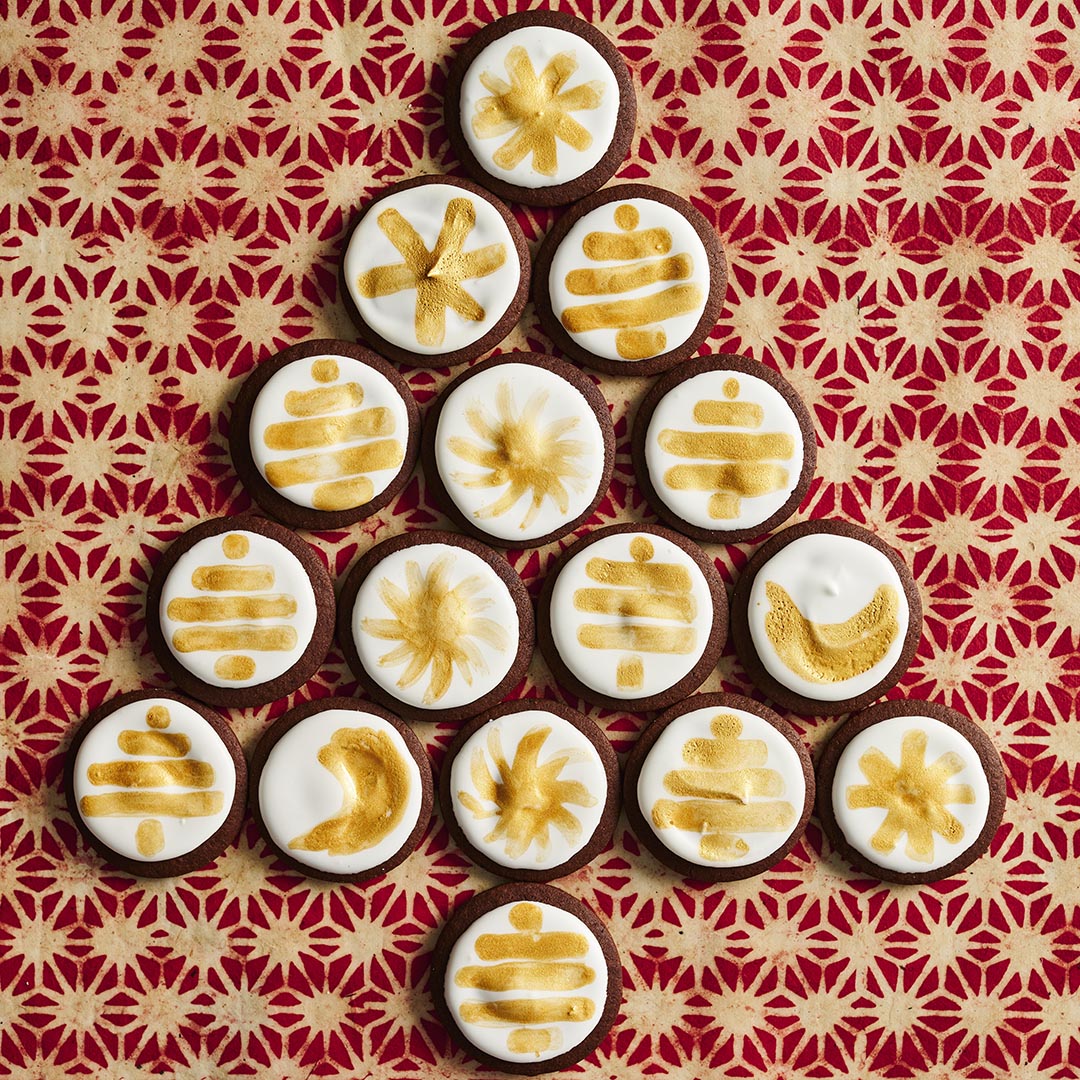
(542, 44)
(491, 601)
(598, 668)
(830, 578)
(393, 316)
(296, 378)
(492, 1038)
(181, 834)
(297, 792)
(570, 256)
(859, 825)
(675, 412)
(666, 754)
(290, 579)
(561, 403)
(584, 766)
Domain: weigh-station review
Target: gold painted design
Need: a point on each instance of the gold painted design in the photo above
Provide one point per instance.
(521, 454)
(528, 797)
(149, 837)
(436, 275)
(227, 608)
(324, 399)
(235, 546)
(154, 743)
(438, 626)
(727, 791)
(375, 787)
(157, 716)
(647, 260)
(536, 110)
(234, 668)
(736, 465)
(915, 795)
(325, 370)
(233, 578)
(832, 652)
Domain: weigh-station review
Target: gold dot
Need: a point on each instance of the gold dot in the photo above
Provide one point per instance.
(149, 837)
(641, 550)
(325, 370)
(234, 668)
(526, 917)
(731, 389)
(627, 217)
(235, 546)
(157, 716)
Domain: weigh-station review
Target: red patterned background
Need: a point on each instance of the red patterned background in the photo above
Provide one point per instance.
(897, 187)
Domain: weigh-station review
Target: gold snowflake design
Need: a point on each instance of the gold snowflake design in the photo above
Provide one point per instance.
(521, 454)
(529, 797)
(536, 109)
(914, 794)
(437, 625)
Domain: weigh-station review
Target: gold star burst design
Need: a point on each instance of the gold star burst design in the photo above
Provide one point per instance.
(438, 627)
(529, 799)
(436, 275)
(521, 454)
(914, 794)
(536, 109)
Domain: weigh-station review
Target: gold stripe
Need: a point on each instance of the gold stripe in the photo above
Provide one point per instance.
(729, 413)
(738, 784)
(148, 774)
(621, 279)
(610, 247)
(325, 370)
(738, 477)
(153, 743)
(343, 494)
(525, 975)
(224, 608)
(311, 468)
(635, 638)
(640, 344)
(149, 837)
(636, 311)
(697, 815)
(233, 578)
(630, 673)
(635, 604)
(530, 1040)
(324, 399)
(328, 430)
(557, 944)
(727, 445)
(234, 638)
(234, 668)
(552, 1010)
(724, 506)
(669, 577)
(152, 803)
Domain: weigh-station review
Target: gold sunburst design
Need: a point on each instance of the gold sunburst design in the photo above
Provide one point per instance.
(438, 626)
(529, 798)
(520, 453)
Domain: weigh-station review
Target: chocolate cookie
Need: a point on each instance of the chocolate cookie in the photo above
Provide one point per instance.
(341, 789)
(526, 979)
(436, 626)
(825, 617)
(240, 611)
(633, 617)
(519, 450)
(719, 788)
(324, 434)
(530, 790)
(435, 271)
(540, 108)
(630, 281)
(910, 791)
(723, 448)
(156, 783)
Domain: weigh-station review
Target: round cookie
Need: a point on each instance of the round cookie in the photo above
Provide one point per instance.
(910, 791)
(530, 790)
(435, 271)
(519, 450)
(630, 281)
(156, 783)
(526, 978)
(435, 626)
(632, 616)
(341, 789)
(723, 448)
(825, 618)
(719, 788)
(324, 434)
(540, 108)
(240, 611)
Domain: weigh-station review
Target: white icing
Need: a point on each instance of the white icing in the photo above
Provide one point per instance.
(296, 377)
(492, 1038)
(598, 668)
(830, 578)
(393, 317)
(859, 825)
(542, 44)
(181, 834)
(490, 601)
(297, 792)
(570, 256)
(584, 766)
(666, 754)
(675, 412)
(290, 579)
(559, 403)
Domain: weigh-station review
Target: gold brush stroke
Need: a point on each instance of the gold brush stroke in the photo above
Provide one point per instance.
(746, 414)
(914, 795)
(233, 578)
(234, 668)
(640, 344)
(235, 546)
(152, 804)
(435, 275)
(661, 577)
(325, 370)
(375, 786)
(328, 430)
(612, 247)
(157, 716)
(153, 743)
(246, 636)
(553, 1010)
(630, 673)
(627, 216)
(223, 608)
(606, 281)
(521, 453)
(530, 944)
(324, 399)
(149, 837)
(532, 1040)
(529, 797)
(677, 641)
(727, 445)
(343, 494)
(525, 975)
(636, 604)
(832, 652)
(149, 774)
(527, 916)
(438, 626)
(536, 109)
(635, 311)
(729, 483)
(338, 464)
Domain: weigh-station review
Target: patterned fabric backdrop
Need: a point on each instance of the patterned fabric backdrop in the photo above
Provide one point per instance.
(896, 184)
